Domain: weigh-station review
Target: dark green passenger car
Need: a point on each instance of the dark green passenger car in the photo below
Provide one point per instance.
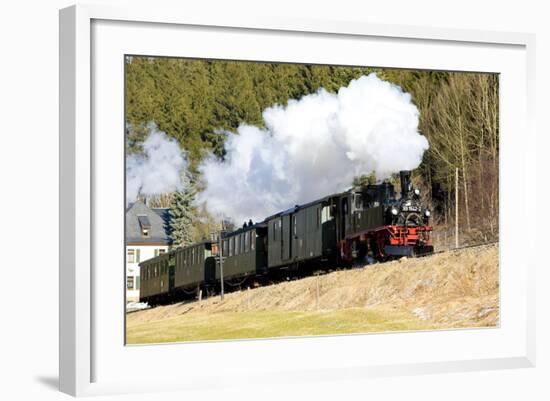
(181, 269)
(362, 209)
(194, 265)
(302, 233)
(157, 277)
(244, 252)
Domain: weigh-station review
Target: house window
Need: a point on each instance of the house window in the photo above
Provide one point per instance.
(145, 225)
(159, 251)
(137, 282)
(130, 282)
(131, 256)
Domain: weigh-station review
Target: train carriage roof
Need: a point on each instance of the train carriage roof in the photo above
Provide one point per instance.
(261, 224)
(155, 259)
(320, 200)
(174, 251)
(295, 208)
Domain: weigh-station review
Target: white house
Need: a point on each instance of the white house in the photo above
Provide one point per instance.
(147, 236)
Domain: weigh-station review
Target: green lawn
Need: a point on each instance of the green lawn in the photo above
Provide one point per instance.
(262, 324)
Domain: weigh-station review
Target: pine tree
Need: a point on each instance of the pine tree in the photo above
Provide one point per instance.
(182, 215)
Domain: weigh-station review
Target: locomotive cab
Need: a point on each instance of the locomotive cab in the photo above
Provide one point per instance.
(379, 195)
(365, 208)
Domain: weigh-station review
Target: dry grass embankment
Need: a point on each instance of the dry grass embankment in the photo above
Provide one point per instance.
(450, 290)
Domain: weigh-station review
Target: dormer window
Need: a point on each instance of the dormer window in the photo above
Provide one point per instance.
(145, 226)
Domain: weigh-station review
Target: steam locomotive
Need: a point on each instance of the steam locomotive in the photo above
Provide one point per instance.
(362, 224)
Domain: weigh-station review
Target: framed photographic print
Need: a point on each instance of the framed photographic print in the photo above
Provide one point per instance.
(291, 198)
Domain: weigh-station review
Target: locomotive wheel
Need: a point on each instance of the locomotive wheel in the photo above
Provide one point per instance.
(209, 291)
(375, 251)
(360, 250)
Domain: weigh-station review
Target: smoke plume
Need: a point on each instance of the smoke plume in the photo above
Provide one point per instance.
(158, 169)
(313, 147)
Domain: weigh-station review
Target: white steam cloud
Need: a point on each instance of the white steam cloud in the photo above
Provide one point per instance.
(313, 147)
(158, 170)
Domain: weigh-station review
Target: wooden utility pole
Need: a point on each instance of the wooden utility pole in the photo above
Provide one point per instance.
(456, 208)
(220, 253)
(317, 292)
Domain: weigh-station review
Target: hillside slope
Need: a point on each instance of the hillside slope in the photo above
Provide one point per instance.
(448, 290)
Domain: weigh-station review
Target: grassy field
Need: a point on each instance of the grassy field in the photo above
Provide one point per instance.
(449, 290)
(262, 324)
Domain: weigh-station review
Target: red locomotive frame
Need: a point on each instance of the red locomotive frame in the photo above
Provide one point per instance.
(417, 237)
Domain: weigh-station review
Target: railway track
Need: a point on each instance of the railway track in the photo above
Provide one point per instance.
(460, 248)
(297, 275)
(327, 269)
(451, 250)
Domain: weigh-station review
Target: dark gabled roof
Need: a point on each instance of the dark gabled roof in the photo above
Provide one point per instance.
(156, 221)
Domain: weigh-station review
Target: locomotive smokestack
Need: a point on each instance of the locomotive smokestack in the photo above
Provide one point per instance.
(406, 186)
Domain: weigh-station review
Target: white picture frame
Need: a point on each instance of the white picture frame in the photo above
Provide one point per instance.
(93, 360)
